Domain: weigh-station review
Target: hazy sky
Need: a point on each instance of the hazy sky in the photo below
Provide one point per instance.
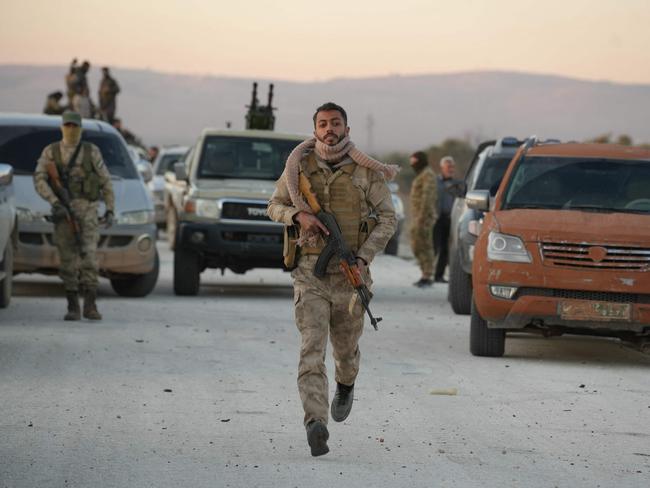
(305, 40)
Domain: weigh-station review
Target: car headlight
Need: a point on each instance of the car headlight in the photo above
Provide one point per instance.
(398, 205)
(139, 217)
(503, 247)
(206, 208)
(26, 215)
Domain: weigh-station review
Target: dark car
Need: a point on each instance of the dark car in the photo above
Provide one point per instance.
(485, 172)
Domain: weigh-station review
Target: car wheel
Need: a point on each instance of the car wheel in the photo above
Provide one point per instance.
(137, 285)
(484, 341)
(187, 274)
(171, 225)
(460, 287)
(6, 282)
(393, 245)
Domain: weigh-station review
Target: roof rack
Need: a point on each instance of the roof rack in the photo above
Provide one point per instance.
(533, 141)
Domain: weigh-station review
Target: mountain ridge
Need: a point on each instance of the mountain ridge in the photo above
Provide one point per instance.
(407, 112)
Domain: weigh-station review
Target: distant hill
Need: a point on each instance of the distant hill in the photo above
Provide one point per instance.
(409, 112)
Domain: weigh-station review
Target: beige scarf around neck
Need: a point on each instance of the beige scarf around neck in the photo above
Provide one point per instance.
(330, 154)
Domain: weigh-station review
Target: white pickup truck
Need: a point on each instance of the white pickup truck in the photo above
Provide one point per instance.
(218, 197)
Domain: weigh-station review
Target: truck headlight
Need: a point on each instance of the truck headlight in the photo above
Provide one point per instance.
(139, 217)
(503, 247)
(26, 215)
(206, 208)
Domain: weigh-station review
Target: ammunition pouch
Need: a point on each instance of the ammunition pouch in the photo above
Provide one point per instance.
(290, 250)
(365, 229)
(86, 186)
(90, 187)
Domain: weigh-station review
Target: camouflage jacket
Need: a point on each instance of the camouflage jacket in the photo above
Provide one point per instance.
(377, 201)
(424, 193)
(41, 178)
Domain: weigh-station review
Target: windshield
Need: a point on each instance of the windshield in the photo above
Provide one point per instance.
(244, 157)
(167, 162)
(491, 173)
(581, 184)
(21, 146)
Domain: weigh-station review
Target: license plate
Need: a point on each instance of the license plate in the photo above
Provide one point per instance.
(596, 311)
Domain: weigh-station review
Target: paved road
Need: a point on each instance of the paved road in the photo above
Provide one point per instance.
(200, 392)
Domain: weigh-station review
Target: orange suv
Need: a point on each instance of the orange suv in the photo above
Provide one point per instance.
(565, 246)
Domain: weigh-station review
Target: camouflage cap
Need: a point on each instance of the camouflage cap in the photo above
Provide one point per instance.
(70, 117)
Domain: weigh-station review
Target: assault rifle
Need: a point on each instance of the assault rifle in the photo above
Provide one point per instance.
(64, 197)
(336, 246)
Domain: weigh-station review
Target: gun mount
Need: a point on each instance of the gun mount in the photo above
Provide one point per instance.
(260, 117)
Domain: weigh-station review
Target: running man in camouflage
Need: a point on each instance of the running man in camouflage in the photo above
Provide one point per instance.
(360, 200)
(85, 179)
(423, 215)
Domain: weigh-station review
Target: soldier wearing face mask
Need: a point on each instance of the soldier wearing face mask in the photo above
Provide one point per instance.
(72, 177)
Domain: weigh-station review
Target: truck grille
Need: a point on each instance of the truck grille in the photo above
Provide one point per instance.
(244, 211)
(603, 256)
(599, 296)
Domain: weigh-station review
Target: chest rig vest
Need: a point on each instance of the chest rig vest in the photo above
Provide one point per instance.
(338, 195)
(82, 179)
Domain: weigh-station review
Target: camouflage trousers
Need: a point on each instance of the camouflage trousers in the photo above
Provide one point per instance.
(322, 308)
(76, 270)
(422, 246)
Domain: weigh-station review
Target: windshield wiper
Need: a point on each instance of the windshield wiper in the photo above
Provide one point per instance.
(512, 206)
(593, 208)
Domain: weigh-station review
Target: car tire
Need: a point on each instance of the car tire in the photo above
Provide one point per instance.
(6, 284)
(138, 286)
(460, 287)
(187, 274)
(393, 245)
(170, 227)
(484, 341)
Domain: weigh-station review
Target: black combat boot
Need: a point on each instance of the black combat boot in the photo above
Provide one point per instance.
(90, 307)
(317, 436)
(342, 402)
(74, 313)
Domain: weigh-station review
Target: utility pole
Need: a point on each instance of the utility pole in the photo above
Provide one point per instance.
(370, 126)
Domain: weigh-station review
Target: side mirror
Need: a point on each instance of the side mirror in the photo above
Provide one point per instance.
(180, 171)
(6, 174)
(144, 168)
(478, 200)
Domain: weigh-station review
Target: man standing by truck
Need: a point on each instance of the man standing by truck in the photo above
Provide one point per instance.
(71, 176)
(447, 186)
(352, 187)
(423, 215)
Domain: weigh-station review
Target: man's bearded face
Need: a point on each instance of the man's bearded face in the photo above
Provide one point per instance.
(330, 127)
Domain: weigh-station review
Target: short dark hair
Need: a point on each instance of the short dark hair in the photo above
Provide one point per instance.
(331, 106)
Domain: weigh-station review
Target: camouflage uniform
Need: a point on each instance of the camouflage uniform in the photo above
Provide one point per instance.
(328, 306)
(53, 106)
(108, 90)
(74, 269)
(423, 213)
